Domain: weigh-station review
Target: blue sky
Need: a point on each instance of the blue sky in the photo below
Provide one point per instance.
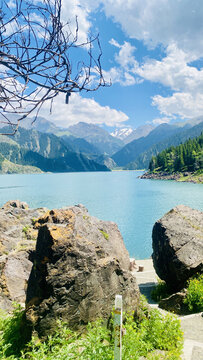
(152, 52)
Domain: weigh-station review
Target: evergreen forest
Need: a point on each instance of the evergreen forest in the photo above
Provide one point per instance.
(182, 158)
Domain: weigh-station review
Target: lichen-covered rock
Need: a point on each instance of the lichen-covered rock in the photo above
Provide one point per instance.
(177, 240)
(17, 241)
(81, 263)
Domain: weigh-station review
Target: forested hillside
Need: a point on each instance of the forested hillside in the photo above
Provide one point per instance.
(185, 157)
(173, 136)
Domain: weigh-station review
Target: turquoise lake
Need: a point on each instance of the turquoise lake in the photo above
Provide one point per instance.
(120, 196)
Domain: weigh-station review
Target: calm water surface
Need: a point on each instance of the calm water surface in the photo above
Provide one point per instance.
(119, 196)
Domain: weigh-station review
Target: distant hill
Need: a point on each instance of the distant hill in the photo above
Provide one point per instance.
(40, 124)
(137, 154)
(96, 136)
(44, 151)
(191, 122)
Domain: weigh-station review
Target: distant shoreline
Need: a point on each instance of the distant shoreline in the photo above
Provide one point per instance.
(196, 178)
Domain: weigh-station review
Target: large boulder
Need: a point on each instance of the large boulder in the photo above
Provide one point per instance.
(177, 240)
(18, 237)
(80, 264)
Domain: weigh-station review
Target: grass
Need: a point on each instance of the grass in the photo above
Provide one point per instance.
(196, 177)
(158, 332)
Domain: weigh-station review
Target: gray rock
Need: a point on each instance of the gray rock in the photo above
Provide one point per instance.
(16, 204)
(177, 240)
(14, 273)
(81, 264)
(175, 303)
(18, 237)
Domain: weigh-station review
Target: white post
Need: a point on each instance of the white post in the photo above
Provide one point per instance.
(118, 328)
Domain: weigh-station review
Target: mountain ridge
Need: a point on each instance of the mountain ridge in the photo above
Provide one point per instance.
(45, 151)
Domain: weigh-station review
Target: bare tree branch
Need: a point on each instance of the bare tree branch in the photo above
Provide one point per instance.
(35, 59)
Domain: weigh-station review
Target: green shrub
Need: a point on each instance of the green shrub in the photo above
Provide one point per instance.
(161, 291)
(12, 335)
(158, 332)
(194, 297)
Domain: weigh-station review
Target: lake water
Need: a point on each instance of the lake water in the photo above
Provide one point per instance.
(120, 196)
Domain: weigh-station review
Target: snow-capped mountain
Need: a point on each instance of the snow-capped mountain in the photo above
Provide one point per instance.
(122, 133)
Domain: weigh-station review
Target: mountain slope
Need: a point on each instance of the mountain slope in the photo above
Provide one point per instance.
(143, 159)
(185, 157)
(141, 131)
(40, 124)
(139, 151)
(80, 145)
(132, 150)
(45, 151)
(96, 136)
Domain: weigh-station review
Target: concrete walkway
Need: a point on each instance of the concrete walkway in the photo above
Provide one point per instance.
(192, 325)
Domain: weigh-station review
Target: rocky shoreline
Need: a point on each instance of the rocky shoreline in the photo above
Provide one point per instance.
(183, 177)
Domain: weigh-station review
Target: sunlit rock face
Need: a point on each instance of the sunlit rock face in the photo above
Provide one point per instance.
(178, 245)
(80, 264)
(17, 243)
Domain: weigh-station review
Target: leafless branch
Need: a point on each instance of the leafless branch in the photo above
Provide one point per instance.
(35, 59)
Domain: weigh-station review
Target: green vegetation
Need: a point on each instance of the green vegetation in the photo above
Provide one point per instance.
(33, 220)
(194, 298)
(32, 151)
(182, 158)
(8, 167)
(105, 235)
(194, 295)
(143, 338)
(26, 229)
(160, 291)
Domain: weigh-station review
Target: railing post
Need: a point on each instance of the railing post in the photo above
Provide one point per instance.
(118, 328)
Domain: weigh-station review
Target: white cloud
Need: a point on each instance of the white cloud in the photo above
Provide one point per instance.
(185, 80)
(176, 25)
(72, 9)
(184, 105)
(163, 120)
(173, 71)
(81, 109)
(124, 72)
(160, 21)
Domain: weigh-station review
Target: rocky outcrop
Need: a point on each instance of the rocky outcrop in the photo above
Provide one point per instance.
(177, 241)
(160, 176)
(81, 263)
(17, 243)
(193, 177)
(175, 303)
